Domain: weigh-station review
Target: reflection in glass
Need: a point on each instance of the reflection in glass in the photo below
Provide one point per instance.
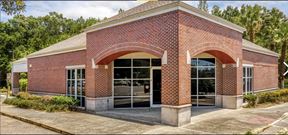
(141, 62)
(122, 63)
(194, 100)
(206, 87)
(206, 62)
(141, 88)
(194, 72)
(141, 101)
(194, 62)
(141, 73)
(194, 87)
(206, 72)
(156, 62)
(122, 102)
(206, 100)
(122, 87)
(122, 73)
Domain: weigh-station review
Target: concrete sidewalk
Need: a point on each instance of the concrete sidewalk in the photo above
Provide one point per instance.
(219, 121)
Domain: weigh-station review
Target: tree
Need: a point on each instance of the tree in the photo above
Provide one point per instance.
(284, 37)
(23, 35)
(120, 10)
(216, 11)
(11, 7)
(203, 5)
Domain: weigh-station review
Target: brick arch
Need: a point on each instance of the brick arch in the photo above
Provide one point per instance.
(114, 51)
(220, 51)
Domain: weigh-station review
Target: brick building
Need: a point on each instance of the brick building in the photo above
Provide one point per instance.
(159, 54)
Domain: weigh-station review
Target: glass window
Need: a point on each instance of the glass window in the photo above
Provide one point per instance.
(194, 100)
(247, 80)
(141, 88)
(141, 73)
(122, 87)
(194, 72)
(206, 87)
(76, 85)
(206, 100)
(124, 102)
(122, 73)
(194, 62)
(122, 63)
(206, 62)
(141, 62)
(194, 87)
(156, 62)
(141, 101)
(203, 81)
(206, 72)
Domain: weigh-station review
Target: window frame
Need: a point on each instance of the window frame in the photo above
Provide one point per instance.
(245, 77)
(203, 78)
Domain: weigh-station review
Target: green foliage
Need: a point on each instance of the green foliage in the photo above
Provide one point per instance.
(251, 99)
(23, 84)
(47, 103)
(249, 133)
(203, 5)
(11, 7)
(273, 97)
(62, 100)
(23, 35)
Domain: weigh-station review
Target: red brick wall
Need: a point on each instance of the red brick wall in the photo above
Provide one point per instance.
(152, 35)
(47, 74)
(198, 36)
(265, 70)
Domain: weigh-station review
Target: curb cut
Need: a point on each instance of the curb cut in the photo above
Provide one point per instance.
(36, 123)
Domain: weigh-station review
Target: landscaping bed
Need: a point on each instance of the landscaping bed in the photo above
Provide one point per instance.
(45, 103)
(266, 99)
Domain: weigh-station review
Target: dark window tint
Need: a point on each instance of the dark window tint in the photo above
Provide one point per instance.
(141, 73)
(194, 62)
(194, 100)
(194, 87)
(193, 72)
(206, 62)
(141, 62)
(141, 101)
(141, 88)
(122, 88)
(206, 87)
(156, 62)
(206, 100)
(122, 102)
(122, 73)
(206, 72)
(122, 63)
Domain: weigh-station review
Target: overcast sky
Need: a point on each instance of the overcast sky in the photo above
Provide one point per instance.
(101, 9)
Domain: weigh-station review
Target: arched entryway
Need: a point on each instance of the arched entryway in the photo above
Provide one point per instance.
(213, 78)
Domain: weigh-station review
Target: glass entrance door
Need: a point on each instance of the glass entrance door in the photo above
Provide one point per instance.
(156, 87)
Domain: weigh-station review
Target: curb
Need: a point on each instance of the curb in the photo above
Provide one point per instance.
(260, 130)
(36, 123)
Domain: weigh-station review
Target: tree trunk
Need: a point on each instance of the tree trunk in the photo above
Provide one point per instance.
(282, 66)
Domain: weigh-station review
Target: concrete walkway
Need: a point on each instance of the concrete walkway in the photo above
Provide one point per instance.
(218, 121)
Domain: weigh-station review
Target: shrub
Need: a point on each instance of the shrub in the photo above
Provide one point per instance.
(63, 100)
(251, 99)
(47, 103)
(23, 84)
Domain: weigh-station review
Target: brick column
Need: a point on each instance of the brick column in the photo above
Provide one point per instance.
(176, 94)
(232, 86)
(99, 90)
